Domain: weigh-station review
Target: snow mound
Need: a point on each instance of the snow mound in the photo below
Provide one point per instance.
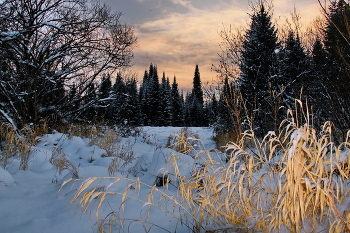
(31, 202)
(6, 178)
(77, 148)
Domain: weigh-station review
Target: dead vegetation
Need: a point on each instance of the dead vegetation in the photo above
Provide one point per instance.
(295, 181)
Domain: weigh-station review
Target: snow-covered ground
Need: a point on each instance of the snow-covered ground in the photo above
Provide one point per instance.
(30, 201)
(73, 185)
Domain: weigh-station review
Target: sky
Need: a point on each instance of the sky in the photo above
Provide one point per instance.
(176, 35)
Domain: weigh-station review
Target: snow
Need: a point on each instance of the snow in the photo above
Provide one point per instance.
(32, 201)
(140, 193)
(6, 178)
(9, 35)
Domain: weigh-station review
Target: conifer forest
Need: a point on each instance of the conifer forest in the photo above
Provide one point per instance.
(57, 72)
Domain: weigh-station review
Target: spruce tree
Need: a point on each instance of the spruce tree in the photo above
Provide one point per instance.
(319, 58)
(104, 100)
(164, 116)
(143, 97)
(316, 89)
(336, 42)
(131, 110)
(89, 104)
(150, 97)
(194, 103)
(197, 117)
(118, 106)
(258, 70)
(224, 123)
(74, 99)
(212, 111)
(295, 64)
(197, 86)
(105, 88)
(187, 109)
(153, 97)
(177, 105)
(337, 34)
(293, 77)
(169, 106)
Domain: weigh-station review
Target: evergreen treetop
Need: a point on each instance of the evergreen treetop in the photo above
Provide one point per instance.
(197, 86)
(258, 68)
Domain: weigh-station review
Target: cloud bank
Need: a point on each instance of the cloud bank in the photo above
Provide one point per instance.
(178, 34)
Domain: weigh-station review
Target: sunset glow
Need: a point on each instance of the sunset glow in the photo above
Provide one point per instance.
(178, 34)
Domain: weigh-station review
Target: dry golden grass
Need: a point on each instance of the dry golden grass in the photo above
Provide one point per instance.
(106, 139)
(18, 143)
(183, 142)
(123, 155)
(313, 180)
(222, 139)
(294, 181)
(79, 130)
(61, 163)
(90, 192)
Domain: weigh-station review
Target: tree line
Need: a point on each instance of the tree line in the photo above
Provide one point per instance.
(58, 58)
(156, 102)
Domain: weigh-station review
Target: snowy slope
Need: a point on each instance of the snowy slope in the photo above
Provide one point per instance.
(30, 201)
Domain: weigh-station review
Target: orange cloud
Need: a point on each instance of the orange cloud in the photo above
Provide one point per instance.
(178, 42)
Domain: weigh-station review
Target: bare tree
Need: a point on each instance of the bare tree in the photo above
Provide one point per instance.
(47, 47)
(230, 56)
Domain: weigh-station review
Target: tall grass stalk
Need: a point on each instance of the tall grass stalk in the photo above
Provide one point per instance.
(296, 180)
(93, 192)
(16, 143)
